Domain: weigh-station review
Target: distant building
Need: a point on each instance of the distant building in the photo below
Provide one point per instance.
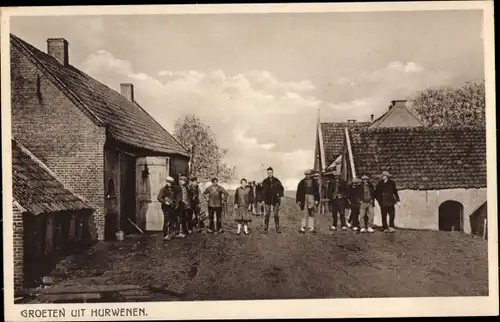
(49, 219)
(440, 172)
(101, 143)
(397, 115)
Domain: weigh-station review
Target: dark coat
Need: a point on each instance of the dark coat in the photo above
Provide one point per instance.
(167, 197)
(195, 195)
(386, 193)
(246, 195)
(342, 188)
(259, 193)
(355, 194)
(273, 190)
(301, 192)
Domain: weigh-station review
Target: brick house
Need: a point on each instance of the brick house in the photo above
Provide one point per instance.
(49, 219)
(101, 143)
(397, 115)
(440, 172)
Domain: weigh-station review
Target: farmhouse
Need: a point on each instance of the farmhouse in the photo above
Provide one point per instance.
(440, 172)
(49, 219)
(102, 144)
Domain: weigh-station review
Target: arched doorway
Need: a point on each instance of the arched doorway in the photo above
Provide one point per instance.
(451, 216)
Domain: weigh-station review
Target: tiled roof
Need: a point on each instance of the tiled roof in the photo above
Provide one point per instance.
(36, 188)
(422, 158)
(127, 121)
(333, 134)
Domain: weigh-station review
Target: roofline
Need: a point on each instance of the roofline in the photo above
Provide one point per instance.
(181, 145)
(18, 205)
(349, 150)
(321, 147)
(60, 84)
(43, 166)
(384, 116)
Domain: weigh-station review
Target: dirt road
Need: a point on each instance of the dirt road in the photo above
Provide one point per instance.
(290, 265)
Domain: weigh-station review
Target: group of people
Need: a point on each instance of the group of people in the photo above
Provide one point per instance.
(180, 202)
(359, 196)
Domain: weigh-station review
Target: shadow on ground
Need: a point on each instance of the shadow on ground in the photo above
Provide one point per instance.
(285, 266)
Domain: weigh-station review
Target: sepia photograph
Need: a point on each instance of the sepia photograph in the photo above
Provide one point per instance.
(248, 155)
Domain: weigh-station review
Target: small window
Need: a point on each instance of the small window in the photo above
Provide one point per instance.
(111, 191)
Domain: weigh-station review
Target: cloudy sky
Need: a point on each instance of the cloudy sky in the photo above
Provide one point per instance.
(259, 79)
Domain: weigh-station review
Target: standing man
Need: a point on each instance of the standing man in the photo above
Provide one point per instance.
(185, 209)
(259, 198)
(307, 199)
(273, 192)
(387, 196)
(337, 194)
(195, 204)
(216, 197)
(366, 192)
(167, 198)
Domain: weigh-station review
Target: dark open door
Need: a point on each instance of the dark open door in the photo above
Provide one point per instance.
(128, 192)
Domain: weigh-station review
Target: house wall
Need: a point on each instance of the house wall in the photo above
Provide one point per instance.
(56, 131)
(178, 165)
(112, 198)
(420, 209)
(18, 244)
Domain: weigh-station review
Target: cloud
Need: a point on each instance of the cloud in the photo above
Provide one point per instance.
(370, 92)
(262, 120)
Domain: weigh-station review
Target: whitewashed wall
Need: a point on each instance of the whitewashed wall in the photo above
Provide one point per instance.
(420, 209)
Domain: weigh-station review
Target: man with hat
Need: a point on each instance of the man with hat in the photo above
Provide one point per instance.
(366, 192)
(387, 196)
(307, 199)
(195, 204)
(184, 209)
(337, 192)
(354, 196)
(168, 201)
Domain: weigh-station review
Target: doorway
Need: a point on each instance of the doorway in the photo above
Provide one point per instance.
(127, 192)
(451, 216)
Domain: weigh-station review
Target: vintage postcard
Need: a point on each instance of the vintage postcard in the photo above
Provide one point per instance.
(249, 161)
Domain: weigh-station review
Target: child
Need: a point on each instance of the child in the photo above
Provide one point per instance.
(168, 204)
(243, 200)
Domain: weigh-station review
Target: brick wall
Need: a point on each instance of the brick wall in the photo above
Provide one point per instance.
(18, 243)
(55, 130)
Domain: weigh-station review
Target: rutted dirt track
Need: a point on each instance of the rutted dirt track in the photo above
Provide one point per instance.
(288, 265)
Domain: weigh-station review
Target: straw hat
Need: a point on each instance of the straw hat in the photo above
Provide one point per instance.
(170, 179)
(308, 172)
(364, 176)
(356, 180)
(385, 173)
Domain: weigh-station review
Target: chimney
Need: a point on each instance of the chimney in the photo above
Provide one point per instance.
(127, 90)
(397, 103)
(372, 117)
(58, 48)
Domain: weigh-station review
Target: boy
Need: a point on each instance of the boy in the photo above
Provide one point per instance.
(216, 197)
(307, 199)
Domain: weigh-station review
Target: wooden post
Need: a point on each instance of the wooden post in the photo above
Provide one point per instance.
(485, 227)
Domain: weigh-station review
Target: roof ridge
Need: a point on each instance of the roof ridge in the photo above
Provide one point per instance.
(424, 128)
(171, 135)
(59, 83)
(44, 167)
